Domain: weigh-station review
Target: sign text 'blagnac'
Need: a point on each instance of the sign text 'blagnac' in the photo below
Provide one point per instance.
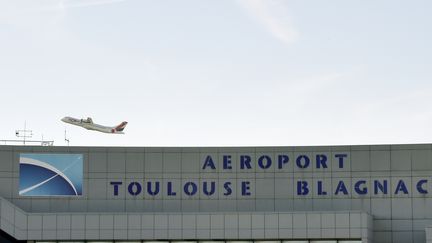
(241, 186)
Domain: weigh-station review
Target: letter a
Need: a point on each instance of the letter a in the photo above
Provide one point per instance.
(209, 162)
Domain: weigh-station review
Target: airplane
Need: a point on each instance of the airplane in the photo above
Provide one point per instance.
(89, 125)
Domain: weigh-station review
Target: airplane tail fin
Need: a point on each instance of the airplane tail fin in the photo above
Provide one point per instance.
(121, 126)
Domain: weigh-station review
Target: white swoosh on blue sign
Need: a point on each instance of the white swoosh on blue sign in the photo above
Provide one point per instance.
(30, 161)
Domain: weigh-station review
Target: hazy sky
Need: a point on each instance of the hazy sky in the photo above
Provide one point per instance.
(213, 73)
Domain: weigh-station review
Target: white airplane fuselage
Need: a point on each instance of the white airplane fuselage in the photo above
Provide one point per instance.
(89, 125)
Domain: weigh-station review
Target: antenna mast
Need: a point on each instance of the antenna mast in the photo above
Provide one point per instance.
(65, 138)
(24, 133)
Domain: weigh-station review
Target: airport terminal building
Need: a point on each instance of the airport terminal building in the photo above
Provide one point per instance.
(345, 194)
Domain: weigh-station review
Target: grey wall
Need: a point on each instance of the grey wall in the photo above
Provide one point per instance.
(397, 217)
(181, 226)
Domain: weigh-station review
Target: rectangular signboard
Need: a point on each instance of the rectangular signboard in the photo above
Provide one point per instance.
(50, 174)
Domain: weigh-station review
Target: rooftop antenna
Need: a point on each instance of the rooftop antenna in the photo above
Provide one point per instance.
(65, 138)
(24, 133)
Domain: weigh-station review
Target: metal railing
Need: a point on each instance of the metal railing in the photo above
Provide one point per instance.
(26, 142)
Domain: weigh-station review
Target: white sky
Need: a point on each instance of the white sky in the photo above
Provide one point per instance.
(218, 73)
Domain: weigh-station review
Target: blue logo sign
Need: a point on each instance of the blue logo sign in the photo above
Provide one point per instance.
(51, 174)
